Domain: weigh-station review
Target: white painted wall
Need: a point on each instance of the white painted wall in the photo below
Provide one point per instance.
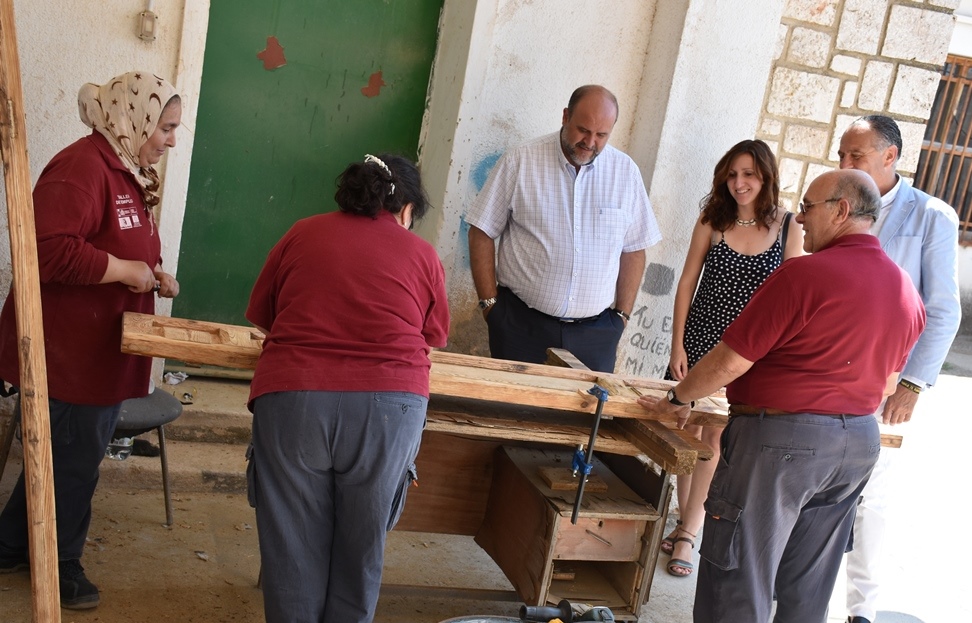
(702, 92)
(513, 65)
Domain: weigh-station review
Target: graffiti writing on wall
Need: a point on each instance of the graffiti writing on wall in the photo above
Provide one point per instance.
(650, 344)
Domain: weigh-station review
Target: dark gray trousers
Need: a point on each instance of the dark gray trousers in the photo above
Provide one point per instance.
(520, 333)
(328, 474)
(79, 438)
(779, 513)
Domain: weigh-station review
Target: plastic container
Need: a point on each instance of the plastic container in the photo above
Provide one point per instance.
(119, 449)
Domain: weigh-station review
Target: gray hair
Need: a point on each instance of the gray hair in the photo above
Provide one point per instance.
(861, 194)
(885, 128)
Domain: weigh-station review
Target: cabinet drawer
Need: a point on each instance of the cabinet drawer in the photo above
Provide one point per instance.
(599, 539)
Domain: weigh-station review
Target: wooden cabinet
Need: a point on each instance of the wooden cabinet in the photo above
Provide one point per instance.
(600, 560)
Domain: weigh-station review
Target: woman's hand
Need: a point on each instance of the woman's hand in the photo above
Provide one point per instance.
(678, 362)
(167, 284)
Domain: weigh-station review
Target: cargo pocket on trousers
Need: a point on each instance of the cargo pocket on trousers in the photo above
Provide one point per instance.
(719, 543)
(398, 503)
(251, 495)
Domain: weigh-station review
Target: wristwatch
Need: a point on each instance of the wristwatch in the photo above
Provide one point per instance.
(672, 398)
(485, 304)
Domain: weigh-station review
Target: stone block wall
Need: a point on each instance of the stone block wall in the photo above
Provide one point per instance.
(840, 59)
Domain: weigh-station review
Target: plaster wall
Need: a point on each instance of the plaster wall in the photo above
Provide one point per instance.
(65, 43)
(519, 63)
(702, 92)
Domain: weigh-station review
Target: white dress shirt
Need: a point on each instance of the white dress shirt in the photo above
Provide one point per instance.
(562, 231)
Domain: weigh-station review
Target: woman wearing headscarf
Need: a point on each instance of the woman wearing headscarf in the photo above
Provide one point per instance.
(352, 303)
(99, 256)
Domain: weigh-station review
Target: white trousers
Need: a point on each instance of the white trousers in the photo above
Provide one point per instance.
(865, 561)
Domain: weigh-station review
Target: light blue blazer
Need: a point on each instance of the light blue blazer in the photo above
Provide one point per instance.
(921, 235)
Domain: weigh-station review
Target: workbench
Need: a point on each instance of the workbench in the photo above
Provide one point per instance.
(492, 427)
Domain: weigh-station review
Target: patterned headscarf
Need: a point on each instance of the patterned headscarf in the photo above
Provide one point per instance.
(125, 111)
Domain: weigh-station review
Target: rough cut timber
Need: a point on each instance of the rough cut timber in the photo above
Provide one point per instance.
(35, 412)
(466, 377)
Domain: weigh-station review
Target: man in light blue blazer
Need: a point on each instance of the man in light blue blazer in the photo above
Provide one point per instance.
(920, 233)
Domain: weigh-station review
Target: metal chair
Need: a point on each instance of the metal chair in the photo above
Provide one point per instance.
(140, 415)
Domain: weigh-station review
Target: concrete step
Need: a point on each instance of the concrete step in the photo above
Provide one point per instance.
(194, 467)
(216, 411)
(206, 444)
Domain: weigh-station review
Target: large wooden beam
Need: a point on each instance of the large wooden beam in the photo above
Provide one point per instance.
(465, 376)
(453, 374)
(35, 415)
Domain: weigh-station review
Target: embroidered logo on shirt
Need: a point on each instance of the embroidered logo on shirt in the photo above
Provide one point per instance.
(127, 216)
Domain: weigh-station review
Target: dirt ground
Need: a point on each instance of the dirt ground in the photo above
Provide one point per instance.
(205, 567)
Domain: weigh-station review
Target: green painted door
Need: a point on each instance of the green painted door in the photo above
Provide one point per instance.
(276, 126)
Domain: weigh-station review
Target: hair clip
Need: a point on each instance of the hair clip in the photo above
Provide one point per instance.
(381, 163)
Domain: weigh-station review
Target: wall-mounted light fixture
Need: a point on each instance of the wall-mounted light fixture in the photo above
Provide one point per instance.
(147, 22)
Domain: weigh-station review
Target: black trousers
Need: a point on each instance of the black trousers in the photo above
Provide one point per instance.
(520, 333)
(79, 438)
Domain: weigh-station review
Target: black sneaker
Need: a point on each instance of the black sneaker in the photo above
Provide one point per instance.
(77, 593)
(12, 564)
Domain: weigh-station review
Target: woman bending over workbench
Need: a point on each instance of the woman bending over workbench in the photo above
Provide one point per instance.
(352, 303)
(99, 255)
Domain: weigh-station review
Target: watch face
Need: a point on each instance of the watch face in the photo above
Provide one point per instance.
(671, 397)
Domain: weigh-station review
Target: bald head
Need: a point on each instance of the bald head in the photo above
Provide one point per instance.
(838, 203)
(587, 124)
(591, 90)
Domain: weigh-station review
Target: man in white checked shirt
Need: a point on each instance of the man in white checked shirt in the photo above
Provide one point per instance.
(573, 222)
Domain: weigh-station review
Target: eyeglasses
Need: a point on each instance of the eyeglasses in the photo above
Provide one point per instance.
(804, 206)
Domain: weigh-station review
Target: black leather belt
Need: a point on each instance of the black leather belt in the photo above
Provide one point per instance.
(575, 320)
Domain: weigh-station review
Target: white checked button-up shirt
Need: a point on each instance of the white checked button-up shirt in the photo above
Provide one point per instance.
(562, 231)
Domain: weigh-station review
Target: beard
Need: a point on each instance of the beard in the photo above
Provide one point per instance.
(577, 155)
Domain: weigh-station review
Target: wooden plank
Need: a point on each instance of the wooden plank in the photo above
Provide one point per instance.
(516, 531)
(563, 479)
(34, 408)
(452, 375)
(513, 423)
(192, 341)
(674, 450)
(891, 441)
(564, 359)
(466, 376)
(619, 502)
(454, 479)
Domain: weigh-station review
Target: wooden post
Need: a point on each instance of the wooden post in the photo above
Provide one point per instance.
(35, 414)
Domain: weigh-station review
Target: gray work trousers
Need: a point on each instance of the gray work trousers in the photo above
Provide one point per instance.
(328, 474)
(779, 512)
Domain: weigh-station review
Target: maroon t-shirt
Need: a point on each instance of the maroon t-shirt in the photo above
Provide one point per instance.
(826, 330)
(87, 204)
(351, 303)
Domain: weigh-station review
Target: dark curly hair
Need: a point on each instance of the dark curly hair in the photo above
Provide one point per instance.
(719, 209)
(365, 188)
